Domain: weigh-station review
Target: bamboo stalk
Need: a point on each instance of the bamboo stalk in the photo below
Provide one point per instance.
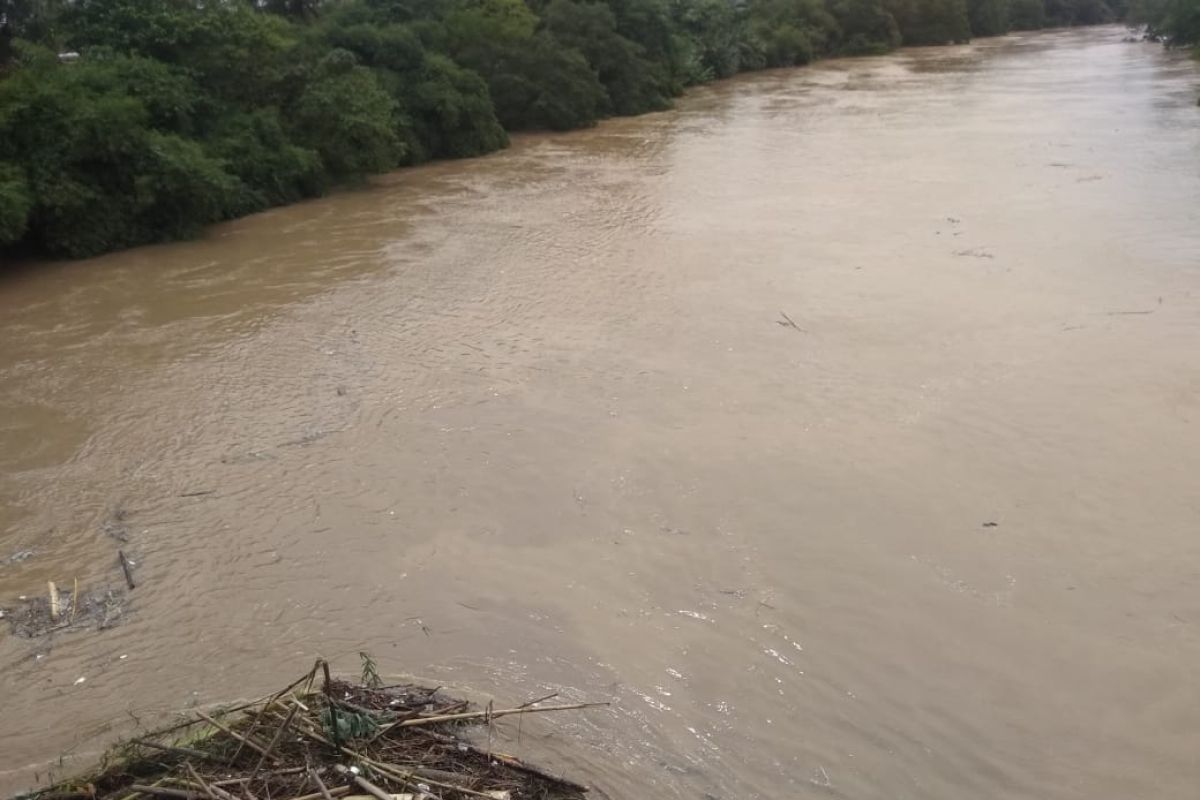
(504, 712)
(213, 792)
(407, 778)
(363, 783)
(162, 791)
(271, 773)
(207, 789)
(315, 778)
(183, 751)
(336, 791)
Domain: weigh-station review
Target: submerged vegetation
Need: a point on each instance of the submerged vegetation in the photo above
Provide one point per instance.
(124, 122)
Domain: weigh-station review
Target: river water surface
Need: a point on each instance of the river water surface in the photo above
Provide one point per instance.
(528, 423)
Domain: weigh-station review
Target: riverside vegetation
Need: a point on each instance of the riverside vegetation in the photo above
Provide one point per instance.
(125, 122)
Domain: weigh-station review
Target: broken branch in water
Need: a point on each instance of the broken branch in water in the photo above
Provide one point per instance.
(125, 569)
(788, 322)
(543, 699)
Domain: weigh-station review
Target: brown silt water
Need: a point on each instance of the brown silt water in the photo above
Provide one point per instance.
(841, 427)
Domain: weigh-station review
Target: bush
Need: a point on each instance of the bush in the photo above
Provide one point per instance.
(348, 119)
(15, 204)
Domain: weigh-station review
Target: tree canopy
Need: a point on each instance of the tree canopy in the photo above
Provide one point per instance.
(124, 122)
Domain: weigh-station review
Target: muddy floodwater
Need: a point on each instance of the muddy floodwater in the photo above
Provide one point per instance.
(538, 422)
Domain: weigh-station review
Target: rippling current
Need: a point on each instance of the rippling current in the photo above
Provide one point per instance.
(539, 422)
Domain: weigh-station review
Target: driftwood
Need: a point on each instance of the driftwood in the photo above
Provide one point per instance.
(125, 569)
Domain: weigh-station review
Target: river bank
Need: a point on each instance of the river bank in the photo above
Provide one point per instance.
(116, 135)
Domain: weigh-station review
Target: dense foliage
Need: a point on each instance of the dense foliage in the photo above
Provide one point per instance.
(131, 121)
(1176, 22)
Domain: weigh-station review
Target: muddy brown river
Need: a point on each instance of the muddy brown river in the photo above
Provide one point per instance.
(531, 423)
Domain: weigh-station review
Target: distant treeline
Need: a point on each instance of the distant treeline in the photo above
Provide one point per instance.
(124, 122)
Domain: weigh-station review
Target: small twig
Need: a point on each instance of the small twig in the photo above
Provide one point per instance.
(791, 323)
(162, 791)
(245, 740)
(336, 791)
(200, 493)
(274, 741)
(74, 602)
(1122, 313)
(488, 719)
(371, 712)
(211, 790)
(272, 773)
(315, 778)
(183, 751)
(333, 719)
(196, 777)
(529, 703)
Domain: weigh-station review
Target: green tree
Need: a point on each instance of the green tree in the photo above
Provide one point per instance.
(715, 32)
(792, 31)
(1026, 15)
(348, 119)
(925, 22)
(866, 27)
(15, 203)
(473, 21)
(98, 176)
(451, 112)
(270, 168)
(633, 84)
(538, 85)
(988, 17)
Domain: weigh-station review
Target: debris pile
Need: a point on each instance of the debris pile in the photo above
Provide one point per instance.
(62, 610)
(350, 741)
